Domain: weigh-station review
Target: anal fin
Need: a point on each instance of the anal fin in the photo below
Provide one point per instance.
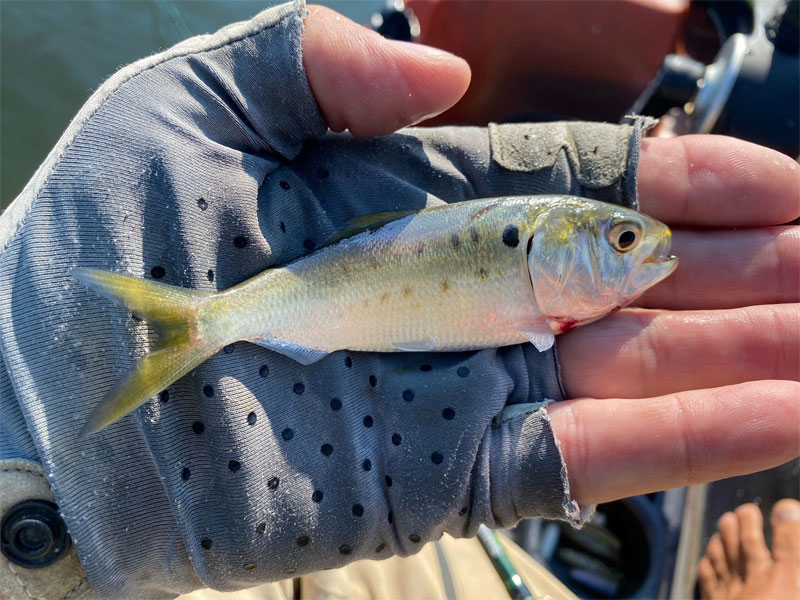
(302, 354)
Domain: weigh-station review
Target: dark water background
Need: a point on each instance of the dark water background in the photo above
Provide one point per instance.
(53, 55)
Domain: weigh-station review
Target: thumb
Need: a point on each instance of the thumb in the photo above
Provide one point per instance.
(373, 86)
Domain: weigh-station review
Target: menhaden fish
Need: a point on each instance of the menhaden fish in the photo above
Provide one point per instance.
(475, 274)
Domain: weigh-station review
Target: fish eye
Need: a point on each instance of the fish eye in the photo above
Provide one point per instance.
(624, 237)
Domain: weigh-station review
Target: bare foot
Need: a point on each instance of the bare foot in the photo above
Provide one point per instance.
(738, 564)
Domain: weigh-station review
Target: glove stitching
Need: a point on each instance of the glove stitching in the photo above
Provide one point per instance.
(57, 159)
(22, 584)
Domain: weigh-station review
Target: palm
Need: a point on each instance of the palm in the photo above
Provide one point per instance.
(728, 317)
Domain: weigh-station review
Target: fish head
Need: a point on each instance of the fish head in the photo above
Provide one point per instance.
(587, 259)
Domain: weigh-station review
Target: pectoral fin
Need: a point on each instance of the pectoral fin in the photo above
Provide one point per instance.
(538, 333)
(302, 354)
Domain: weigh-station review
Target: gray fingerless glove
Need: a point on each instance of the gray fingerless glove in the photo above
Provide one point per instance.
(201, 167)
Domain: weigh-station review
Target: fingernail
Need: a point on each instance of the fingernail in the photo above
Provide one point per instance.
(429, 51)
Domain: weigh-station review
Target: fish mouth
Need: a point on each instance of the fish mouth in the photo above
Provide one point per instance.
(661, 253)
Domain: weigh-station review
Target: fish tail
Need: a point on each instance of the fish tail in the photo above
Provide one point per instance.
(174, 312)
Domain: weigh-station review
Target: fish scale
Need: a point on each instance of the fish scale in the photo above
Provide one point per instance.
(475, 274)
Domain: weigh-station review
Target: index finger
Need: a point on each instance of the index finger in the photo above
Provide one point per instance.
(717, 181)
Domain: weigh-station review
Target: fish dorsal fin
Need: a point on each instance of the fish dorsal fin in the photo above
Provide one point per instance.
(364, 223)
(302, 354)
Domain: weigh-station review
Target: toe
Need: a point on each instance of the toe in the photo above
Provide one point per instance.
(707, 578)
(729, 534)
(716, 556)
(785, 522)
(753, 550)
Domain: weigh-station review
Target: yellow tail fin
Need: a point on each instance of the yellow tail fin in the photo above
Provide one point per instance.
(173, 311)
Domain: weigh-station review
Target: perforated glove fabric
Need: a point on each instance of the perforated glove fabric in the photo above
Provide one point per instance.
(201, 167)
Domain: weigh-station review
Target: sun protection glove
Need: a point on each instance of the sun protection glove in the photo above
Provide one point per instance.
(201, 167)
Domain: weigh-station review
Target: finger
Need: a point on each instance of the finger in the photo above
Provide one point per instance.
(618, 448)
(373, 86)
(785, 520)
(753, 550)
(717, 181)
(716, 555)
(638, 353)
(726, 269)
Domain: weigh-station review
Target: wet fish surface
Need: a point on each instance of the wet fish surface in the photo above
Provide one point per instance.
(469, 275)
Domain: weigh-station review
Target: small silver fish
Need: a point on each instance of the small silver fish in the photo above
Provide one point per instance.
(476, 274)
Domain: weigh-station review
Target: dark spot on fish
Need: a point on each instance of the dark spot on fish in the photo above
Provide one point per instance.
(389, 482)
(407, 291)
(287, 434)
(445, 285)
(208, 391)
(249, 566)
(367, 464)
(373, 262)
(480, 213)
(201, 202)
(234, 465)
(420, 247)
(198, 427)
(309, 244)
(373, 381)
(384, 297)
(299, 388)
(437, 458)
(326, 449)
(285, 185)
(463, 372)
(240, 241)
(473, 234)
(273, 483)
(408, 395)
(448, 414)
(164, 396)
(263, 371)
(380, 548)
(303, 540)
(210, 274)
(482, 274)
(358, 510)
(206, 543)
(317, 496)
(368, 421)
(345, 549)
(454, 241)
(348, 362)
(228, 349)
(425, 368)
(336, 404)
(323, 173)
(283, 227)
(261, 527)
(157, 272)
(414, 538)
(185, 474)
(397, 439)
(511, 236)
(252, 418)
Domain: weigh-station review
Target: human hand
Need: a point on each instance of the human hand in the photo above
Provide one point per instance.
(700, 381)
(203, 185)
